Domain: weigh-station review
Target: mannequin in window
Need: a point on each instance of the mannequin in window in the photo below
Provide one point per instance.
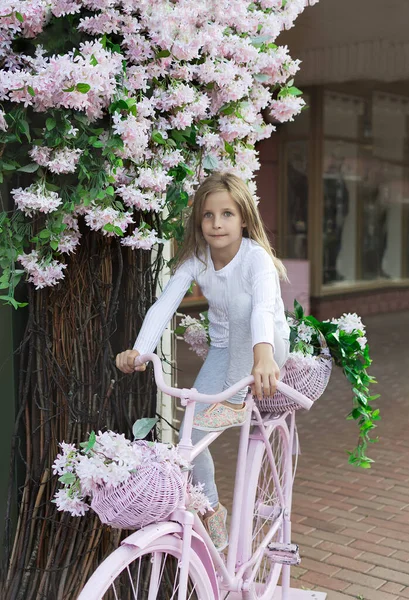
(375, 231)
(336, 207)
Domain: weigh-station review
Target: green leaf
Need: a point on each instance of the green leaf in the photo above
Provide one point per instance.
(83, 87)
(71, 89)
(13, 302)
(30, 90)
(294, 91)
(258, 41)
(51, 187)
(162, 54)
(158, 138)
(67, 478)
(30, 168)
(228, 109)
(142, 427)
(110, 190)
(298, 310)
(7, 166)
(44, 234)
(93, 61)
(210, 163)
(19, 17)
(24, 128)
(50, 124)
(118, 231)
(91, 442)
(229, 148)
(262, 77)
(54, 244)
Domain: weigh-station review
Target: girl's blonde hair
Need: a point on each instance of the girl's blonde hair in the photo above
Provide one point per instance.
(194, 243)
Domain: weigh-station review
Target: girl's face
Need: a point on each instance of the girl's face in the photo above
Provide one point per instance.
(222, 222)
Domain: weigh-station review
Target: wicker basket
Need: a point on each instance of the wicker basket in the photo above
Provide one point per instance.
(311, 380)
(148, 496)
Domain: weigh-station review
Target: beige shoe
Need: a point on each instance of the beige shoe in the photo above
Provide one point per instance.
(219, 417)
(216, 527)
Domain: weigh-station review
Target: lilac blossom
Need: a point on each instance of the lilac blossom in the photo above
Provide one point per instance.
(36, 197)
(141, 239)
(42, 273)
(286, 108)
(97, 218)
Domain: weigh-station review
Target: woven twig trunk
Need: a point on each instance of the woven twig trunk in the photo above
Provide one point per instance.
(68, 386)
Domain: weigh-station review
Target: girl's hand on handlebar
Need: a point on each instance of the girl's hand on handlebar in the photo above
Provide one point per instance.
(125, 361)
(265, 372)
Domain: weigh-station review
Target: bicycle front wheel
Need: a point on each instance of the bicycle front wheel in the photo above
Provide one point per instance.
(263, 506)
(130, 573)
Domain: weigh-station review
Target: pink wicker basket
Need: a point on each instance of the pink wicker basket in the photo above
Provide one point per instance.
(311, 380)
(148, 496)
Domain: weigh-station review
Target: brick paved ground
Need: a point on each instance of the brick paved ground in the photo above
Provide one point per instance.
(352, 525)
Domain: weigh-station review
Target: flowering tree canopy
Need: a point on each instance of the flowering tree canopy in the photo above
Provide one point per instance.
(111, 111)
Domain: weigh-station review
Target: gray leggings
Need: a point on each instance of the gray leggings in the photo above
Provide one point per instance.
(222, 368)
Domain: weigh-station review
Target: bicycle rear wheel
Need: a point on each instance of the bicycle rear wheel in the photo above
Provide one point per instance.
(130, 573)
(264, 506)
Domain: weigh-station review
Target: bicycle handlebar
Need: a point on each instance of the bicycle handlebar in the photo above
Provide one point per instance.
(196, 396)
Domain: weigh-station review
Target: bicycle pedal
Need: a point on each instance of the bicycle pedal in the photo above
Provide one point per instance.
(284, 554)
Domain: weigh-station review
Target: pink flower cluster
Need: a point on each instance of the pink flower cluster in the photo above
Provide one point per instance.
(97, 218)
(141, 239)
(55, 80)
(42, 273)
(286, 108)
(58, 161)
(195, 335)
(36, 198)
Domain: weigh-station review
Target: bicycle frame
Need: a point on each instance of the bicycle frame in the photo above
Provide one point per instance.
(232, 579)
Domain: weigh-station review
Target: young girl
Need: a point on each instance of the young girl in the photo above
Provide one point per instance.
(226, 251)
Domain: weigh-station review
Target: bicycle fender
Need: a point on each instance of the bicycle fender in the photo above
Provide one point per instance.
(203, 553)
(149, 534)
(145, 536)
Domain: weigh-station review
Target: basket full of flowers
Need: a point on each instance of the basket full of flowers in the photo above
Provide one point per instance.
(306, 371)
(128, 484)
(315, 347)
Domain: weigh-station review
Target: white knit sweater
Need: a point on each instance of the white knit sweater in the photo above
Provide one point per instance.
(251, 271)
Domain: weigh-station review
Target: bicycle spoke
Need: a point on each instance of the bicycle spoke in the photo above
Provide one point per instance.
(191, 593)
(177, 587)
(115, 594)
(131, 582)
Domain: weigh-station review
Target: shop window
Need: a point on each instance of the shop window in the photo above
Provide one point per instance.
(365, 150)
(347, 161)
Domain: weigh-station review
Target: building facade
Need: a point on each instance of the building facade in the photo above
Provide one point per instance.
(334, 183)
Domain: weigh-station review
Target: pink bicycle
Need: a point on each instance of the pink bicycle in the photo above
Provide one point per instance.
(176, 559)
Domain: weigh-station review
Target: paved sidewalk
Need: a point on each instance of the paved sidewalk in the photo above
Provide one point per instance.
(352, 525)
